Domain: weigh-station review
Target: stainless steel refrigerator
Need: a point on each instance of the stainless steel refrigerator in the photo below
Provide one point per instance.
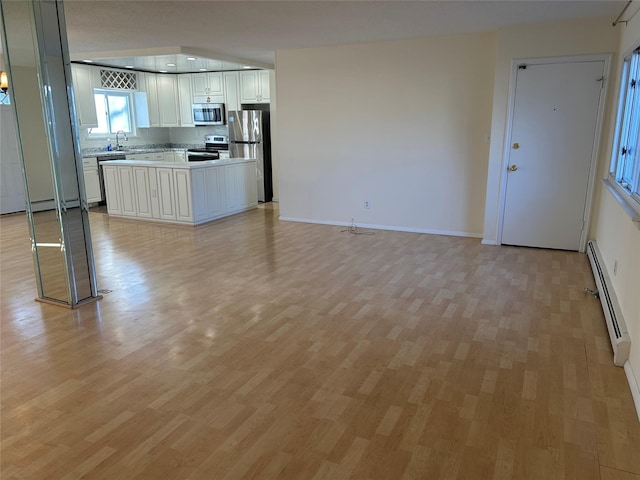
(249, 137)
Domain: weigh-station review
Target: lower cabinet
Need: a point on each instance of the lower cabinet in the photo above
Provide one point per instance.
(209, 193)
(143, 191)
(166, 196)
(128, 191)
(91, 180)
(242, 187)
(181, 195)
(112, 189)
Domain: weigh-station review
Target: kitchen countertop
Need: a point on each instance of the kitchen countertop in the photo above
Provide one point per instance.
(184, 165)
(131, 151)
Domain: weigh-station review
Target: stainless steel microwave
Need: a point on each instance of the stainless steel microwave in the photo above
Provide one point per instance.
(208, 114)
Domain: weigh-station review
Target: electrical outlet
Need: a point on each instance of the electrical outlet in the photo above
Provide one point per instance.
(367, 205)
(615, 267)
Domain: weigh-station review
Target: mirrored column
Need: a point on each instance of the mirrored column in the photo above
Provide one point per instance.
(37, 58)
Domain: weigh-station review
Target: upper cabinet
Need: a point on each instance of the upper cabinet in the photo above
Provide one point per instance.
(83, 93)
(149, 84)
(168, 100)
(165, 100)
(207, 84)
(254, 86)
(185, 99)
(146, 101)
(231, 91)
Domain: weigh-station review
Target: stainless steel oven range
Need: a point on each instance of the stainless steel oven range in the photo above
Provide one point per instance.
(215, 146)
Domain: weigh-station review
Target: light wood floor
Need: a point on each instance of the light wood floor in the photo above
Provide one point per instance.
(253, 348)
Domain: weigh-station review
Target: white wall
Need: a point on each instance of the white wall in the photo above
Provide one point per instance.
(544, 40)
(617, 236)
(401, 124)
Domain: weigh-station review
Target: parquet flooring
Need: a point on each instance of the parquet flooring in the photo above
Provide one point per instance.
(254, 348)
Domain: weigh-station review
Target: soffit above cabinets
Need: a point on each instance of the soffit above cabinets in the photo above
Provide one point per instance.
(177, 60)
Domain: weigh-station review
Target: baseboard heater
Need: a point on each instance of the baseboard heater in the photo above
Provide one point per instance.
(618, 333)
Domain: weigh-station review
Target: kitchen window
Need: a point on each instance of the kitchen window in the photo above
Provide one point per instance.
(114, 111)
(625, 161)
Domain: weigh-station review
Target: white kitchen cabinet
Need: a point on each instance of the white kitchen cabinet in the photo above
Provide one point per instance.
(91, 180)
(166, 193)
(150, 156)
(232, 91)
(127, 191)
(186, 100)
(189, 194)
(250, 175)
(207, 84)
(254, 86)
(209, 193)
(112, 189)
(182, 183)
(83, 93)
(168, 100)
(142, 192)
(146, 101)
(180, 156)
(242, 188)
(151, 84)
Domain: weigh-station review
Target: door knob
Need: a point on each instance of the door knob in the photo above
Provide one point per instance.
(513, 168)
(516, 146)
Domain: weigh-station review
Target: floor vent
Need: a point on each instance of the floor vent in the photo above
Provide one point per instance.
(618, 334)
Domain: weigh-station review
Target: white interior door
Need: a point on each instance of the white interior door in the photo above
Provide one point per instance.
(554, 124)
(11, 183)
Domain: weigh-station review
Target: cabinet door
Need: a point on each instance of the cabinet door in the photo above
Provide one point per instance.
(216, 86)
(112, 189)
(232, 90)
(127, 189)
(249, 87)
(151, 85)
(83, 92)
(92, 185)
(165, 193)
(199, 83)
(186, 100)
(182, 182)
(263, 86)
(250, 184)
(233, 190)
(216, 192)
(180, 156)
(142, 191)
(199, 192)
(168, 101)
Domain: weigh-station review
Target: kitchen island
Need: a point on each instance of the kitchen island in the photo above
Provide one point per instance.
(186, 193)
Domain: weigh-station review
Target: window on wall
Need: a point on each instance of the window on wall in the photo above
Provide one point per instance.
(625, 162)
(114, 112)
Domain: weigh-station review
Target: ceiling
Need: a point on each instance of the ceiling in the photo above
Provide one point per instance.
(250, 32)
(171, 60)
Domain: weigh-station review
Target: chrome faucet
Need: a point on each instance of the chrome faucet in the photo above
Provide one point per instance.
(118, 146)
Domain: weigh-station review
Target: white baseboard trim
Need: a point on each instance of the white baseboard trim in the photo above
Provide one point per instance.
(384, 227)
(633, 386)
(486, 241)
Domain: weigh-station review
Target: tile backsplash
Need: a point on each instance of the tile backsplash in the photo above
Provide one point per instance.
(145, 136)
(180, 137)
(184, 136)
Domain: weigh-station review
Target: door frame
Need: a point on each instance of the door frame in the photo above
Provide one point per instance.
(593, 168)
